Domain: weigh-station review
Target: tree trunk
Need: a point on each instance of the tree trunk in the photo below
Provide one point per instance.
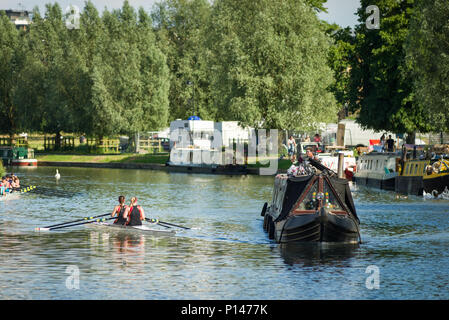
(410, 138)
(12, 139)
(58, 141)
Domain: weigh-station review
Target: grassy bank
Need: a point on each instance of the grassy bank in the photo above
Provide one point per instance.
(119, 158)
(162, 158)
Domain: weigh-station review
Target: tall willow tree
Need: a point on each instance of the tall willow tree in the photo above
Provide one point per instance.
(268, 64)
(47, 95)
(426, 50)
(181, 29)
(129, 76)
(11, 66)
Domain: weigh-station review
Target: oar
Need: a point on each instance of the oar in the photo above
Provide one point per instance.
(82, 219)
(171, 224)
(25, 189)
(156, 221)
(76, 224)
(45, 191)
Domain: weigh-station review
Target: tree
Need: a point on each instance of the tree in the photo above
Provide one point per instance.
(340, 57)
(380, 88)
(181, 30)
(11, 66)
(268, 64)
(426, 49)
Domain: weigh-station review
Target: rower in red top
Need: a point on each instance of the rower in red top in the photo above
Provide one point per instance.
(134, 214)
(119, 210)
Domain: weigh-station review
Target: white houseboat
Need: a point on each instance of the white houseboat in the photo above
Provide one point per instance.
(377, 169)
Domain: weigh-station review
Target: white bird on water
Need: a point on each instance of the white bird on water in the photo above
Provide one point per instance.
(57, 175)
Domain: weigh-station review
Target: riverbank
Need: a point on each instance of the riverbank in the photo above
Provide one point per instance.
(145, 161)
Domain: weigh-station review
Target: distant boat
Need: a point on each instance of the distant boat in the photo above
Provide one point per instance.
(377, 169)
(436, 179)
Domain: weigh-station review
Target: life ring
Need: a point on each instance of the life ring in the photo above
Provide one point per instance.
(429, 169)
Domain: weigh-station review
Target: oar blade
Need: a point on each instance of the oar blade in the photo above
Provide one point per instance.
(41, 229)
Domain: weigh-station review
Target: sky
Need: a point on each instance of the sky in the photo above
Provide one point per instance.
(339, 11)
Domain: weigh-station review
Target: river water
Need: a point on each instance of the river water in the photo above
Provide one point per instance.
(226, 254)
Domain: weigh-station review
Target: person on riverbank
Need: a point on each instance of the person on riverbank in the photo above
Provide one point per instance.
(119, 210)
(390, 144)
(134, 214)
(291, 145)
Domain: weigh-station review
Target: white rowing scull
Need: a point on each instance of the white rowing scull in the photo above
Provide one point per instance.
(143, 228)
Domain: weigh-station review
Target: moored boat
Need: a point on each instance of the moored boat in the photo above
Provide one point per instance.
(315, 207)
(377, 170)
(410, 178)
(436, 178)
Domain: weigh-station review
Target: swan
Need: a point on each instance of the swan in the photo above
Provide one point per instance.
(57, 175)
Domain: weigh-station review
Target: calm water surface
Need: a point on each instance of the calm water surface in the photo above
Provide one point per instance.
(226, 254)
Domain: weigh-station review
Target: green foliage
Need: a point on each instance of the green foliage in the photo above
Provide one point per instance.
(2, 169)
(427, 49)
(268, 62)
(381, 87)
(181, 29)
(341, 55)
(104, 78)
(11, 66)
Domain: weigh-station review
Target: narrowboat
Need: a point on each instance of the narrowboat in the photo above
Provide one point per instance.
(313, 207)
(377, 170)
(410, 178)
(436, 178)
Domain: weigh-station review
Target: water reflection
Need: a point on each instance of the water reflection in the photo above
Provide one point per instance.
(225, 254)
(312, 254)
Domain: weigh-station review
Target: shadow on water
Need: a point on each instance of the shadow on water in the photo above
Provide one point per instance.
(313, 254)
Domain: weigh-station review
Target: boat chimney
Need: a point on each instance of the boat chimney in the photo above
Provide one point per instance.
(341, 161)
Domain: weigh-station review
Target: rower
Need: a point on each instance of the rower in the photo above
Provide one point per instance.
(2, 187)
(134, 213)
(119, 210)
(16, 182)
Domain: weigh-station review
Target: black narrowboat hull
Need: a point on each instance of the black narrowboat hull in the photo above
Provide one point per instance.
(438, 183)
(384, 184)
(318, 227)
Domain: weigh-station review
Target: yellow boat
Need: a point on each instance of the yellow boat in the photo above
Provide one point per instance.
(436, 177)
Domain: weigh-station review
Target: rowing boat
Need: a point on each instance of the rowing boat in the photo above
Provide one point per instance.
(143, 228)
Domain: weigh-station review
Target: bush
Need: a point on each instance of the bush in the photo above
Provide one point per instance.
(2, 169)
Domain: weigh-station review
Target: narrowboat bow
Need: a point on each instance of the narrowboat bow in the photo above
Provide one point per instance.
(311, 208)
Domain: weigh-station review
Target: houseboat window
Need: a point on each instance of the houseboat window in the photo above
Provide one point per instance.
(309, 202)
(416, 169)
(330, 199)
(377, 164)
